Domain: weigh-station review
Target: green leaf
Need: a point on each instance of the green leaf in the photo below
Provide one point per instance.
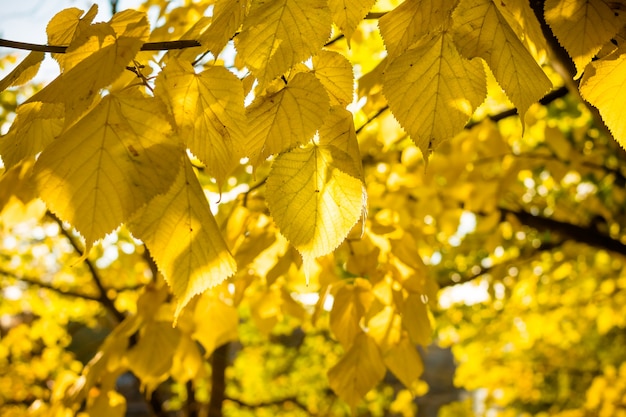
(433, 91)
(184, 239)
(358, 371)
(109, 164)
(482, 31)
(287, 118)
(209, 113)
(278, 34)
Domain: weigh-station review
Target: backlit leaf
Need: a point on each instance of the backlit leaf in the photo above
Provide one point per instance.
(582, 27)
(358, 371)
(94, 60)
(35, 127)
(482, 31)
(209, 113)
(216, 322)
(287, 118)
(347, 14)
(65, 25)
(433, 91)
(604, 86)
(151, 358)
(404, 361)
(109, 164)
(350, 304)
(227, 17)
(416, 321)
(24, 71)
(412, 20)
(338, 131)
(315, 197)
(278, 34)
(335, 73)
(183, 238)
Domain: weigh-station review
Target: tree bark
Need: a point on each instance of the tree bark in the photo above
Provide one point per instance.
(219, 361)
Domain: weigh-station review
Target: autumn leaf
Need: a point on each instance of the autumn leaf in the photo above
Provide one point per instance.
(66, 25)
(287, 118)
(281, 33)
(216, 322)
(350, 304)
(433, 91)
(347, 14)
(402, 27)
(228, 15)
(23, 72)
(358, 371)
(36, 125)
(582, 27)
(335, 73)
(109, 164)
(95, 58)
(209, 113)
(184, 240)
(482, 31)
(315, 197)
(603, 85)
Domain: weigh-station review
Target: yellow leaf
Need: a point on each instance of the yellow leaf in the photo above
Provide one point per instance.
(24, 71)
(404, 361)
(338, 131)
(604, 86)
(108, 404)
(109, 164)
(151, 358)
(66, 25)
(347, 14)
(183, 238)
(433, 91)
(287, 118)
(209, 113)
(228, 15)
(278, 34)
(35, 127)
(187, 361)
(335, 73)
(350, 304)
(521, 18)
(216, 322)
(482, 31)
(315, 197)
(416, 321)
(94, 59)
(412, 20)
(385, 328)
(358, 371)
(582, 27)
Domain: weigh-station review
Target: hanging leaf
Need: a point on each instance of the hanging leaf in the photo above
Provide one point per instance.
(184, 240)
(228, 15)
(433, 91)
(278, 34)
(358, 371)
(209, 113)
(66, 25)
(23, 72)
(315, 197)
(482, 31)
(347, 14)
(287, 118)
(335, 73)
(604, 86)
(109, 164)
(350, 304)
(216, 322)
(582, 27)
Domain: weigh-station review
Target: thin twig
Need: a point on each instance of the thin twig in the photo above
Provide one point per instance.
(61, 49)
(38, 283)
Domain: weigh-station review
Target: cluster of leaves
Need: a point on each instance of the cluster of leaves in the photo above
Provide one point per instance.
(260, 117)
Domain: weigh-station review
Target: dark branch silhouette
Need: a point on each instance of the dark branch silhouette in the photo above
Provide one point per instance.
(61, 49)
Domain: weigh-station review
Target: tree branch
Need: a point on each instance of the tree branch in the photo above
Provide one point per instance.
(292, 400)
(38, 283)
(95, 275)
(61, 49)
